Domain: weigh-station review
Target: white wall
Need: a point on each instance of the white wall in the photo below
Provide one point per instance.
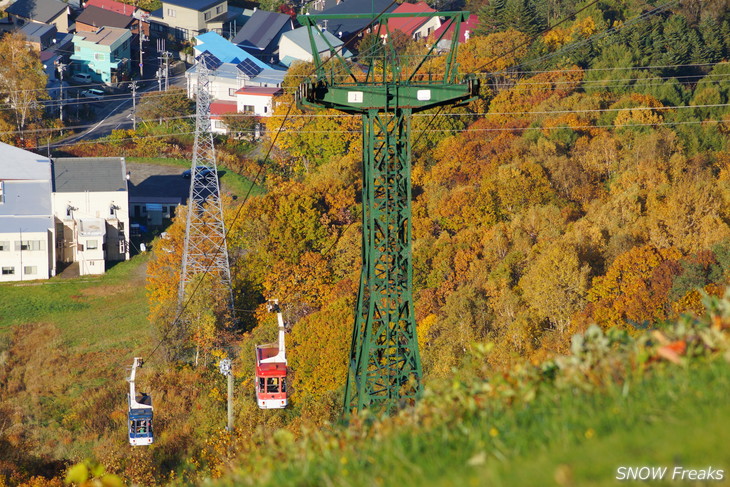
(262, 104)
(92, 205)
(32, 260)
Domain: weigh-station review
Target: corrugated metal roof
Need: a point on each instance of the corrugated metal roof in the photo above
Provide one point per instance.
(261, 29)
(40, 10)
(79, 174)
(409, 25)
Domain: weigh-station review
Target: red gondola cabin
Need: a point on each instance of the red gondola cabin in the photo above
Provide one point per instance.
(271, 368)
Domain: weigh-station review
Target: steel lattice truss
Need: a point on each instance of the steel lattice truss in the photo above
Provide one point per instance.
(385, 364)
(385, 368)
(205, 235)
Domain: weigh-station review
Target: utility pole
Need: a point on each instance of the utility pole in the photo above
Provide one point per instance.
(141, 52)
(385, 366)
(225, 368)
(61, 69)
(167, 69)
(134, 105)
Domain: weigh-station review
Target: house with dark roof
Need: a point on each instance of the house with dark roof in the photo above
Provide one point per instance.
(295, 45)
(44, 11)
(261, 33)
(414, 27)
(348, 28)
(92, 18)
(185, 19)
(26, 216)
(40, 36)
(91, 211)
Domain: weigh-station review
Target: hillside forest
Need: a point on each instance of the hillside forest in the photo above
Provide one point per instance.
(589, 183)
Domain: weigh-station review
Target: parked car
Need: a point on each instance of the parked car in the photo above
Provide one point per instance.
(93, 93)
(200, 171)
(81, 78)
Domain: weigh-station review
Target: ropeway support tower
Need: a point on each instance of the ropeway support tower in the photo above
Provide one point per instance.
(205, 247)
(386, 88)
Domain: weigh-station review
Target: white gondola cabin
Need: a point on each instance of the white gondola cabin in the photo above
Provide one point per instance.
(271, 368)
(140, 412)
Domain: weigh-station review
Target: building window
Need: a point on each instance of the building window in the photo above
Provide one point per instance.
(30, 270)
(92, 244)
(8, 271)
(4, 246)
(249, 109)
(219, 124)
(2, 197)
(219, 9)
(232, 91)
(171, 12)
(207, 15)
(30, 245)
(98, 56)
(77, 48)
(266, 109)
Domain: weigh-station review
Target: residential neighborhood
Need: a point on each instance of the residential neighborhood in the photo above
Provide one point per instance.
(61, 211)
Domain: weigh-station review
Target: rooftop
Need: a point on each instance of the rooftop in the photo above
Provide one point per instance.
(194, 4)
(224, 50)
(81, 174)
(261, 29)
(469, 26)
(114, 6)
(409, 25)
(300, 37)
(353, 26)
(105, 36)
(98, 17)
(34, 31)
(20, 164)
(259, 91)
(25, 224)
(38, 10)
(220, 108)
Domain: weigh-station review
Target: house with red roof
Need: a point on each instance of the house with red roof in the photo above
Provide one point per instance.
(465, 31)
(415, 27)
(112, 5)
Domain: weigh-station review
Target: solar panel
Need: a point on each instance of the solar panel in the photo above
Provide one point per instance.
(249, 68)
(211, 62)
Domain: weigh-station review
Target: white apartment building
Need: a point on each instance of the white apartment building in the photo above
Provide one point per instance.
(26, 216)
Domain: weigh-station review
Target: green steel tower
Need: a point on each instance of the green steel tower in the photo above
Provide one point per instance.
(385, 87)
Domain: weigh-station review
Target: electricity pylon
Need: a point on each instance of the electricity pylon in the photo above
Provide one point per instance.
(385, 366)
(205, 243)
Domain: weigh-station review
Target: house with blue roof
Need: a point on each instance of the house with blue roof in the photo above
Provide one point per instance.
(238, 69)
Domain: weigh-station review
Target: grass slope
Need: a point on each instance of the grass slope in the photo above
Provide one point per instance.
(676, 417)
(93, 313)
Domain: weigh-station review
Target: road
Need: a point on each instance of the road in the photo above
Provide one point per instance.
(113, 112)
